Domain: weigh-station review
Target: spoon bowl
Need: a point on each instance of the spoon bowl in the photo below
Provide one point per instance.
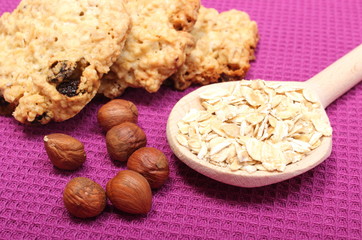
(328, 85)
(225, 175)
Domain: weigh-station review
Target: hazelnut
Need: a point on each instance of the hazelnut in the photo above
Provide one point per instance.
(150, 163)
(122, 140)
(84, 198)
(64, 151)
(130, 192)
(115, 112)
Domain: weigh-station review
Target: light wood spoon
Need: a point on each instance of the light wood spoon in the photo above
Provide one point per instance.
(328, 85)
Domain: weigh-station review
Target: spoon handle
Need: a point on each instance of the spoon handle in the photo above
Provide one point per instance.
(339, 77)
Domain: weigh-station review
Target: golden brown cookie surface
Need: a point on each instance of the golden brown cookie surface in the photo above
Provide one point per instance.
(53, 54)
(155, 47)
(225, 44)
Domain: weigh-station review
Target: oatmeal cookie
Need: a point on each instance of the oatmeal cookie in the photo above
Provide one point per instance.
(155, 46)
(53, 54)
(225, 44)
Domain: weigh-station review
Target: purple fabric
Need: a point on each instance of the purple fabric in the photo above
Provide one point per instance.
(298, 39)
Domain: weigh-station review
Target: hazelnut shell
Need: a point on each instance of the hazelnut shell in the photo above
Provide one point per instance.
(130, 192)
(150, 163)
(64, 151)
(84, 198)
(115, 112)
(122, 140)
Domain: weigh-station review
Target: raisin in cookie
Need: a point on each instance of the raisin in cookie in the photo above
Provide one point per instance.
(155, 46)
(53, 54)
(225, 44)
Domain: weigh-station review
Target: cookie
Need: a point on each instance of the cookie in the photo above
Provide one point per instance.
(225, 44)
(53, 54)
(155, 46)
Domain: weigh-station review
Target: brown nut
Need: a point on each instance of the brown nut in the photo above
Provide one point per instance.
(122, 140)
(64, 151)
(150, 163)
(130, 192)
(84, 198)
(115, 112)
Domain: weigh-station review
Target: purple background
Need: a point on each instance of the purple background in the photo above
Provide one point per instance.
(298, 39)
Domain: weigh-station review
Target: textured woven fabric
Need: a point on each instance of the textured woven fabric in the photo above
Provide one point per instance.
(298, 39)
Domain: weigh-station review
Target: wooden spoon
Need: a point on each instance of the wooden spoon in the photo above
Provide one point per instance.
(328, 85)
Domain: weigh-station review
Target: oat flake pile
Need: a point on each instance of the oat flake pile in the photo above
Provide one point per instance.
(255, 126)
